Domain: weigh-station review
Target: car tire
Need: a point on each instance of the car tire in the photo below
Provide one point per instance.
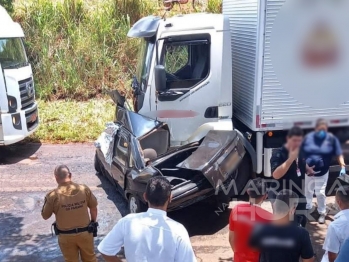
(241, 176)
(97, 165)
(135, 205)
(244, 174)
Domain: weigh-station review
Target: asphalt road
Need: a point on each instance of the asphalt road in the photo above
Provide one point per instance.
(26, 175)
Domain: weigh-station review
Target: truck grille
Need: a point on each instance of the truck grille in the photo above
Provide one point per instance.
(26, 87)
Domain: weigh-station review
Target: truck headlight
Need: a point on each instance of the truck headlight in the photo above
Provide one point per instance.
(12, 104)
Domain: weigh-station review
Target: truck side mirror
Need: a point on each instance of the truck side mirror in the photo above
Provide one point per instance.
(160, 78)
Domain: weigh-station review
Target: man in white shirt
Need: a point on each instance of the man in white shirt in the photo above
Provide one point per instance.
(338, 230)
(150, 236)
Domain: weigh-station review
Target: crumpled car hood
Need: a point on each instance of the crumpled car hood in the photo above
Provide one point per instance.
(217, 157)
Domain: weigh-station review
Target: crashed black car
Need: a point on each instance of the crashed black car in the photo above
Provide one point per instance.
(134, 148)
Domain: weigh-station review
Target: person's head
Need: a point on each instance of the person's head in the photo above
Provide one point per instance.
(294, 137)
(257, 190)
(321, 128)
(342, 197)
(62, 174)
(286, 203)
(158, 192)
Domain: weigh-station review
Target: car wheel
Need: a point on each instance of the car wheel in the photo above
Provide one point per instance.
(239, 179)
(97, 165)
(243, 174)
(135, 205)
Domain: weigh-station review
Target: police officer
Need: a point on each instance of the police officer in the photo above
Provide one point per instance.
(71, 203)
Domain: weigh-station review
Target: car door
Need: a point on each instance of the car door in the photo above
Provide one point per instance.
(121, 158)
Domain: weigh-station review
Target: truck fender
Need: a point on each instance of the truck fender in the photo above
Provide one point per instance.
(224, 125)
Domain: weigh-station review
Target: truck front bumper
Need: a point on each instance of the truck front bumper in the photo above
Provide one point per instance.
(14, 127)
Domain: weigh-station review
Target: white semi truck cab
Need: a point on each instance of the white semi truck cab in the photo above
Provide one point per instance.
(18, 108)
(260, 67)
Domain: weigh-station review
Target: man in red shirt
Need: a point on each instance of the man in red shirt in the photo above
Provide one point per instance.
(242, 219)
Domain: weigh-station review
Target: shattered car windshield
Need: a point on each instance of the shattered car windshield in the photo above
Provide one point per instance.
(144, 58)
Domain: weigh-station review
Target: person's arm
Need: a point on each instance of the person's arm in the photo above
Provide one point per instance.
(332, 243)
(280, 168)
(343, 255)
(331, 256)
(112, 243)
(341, 161)
(309, 170)
(93, 214)
(111, 259)
(307, 252)
(91, 203)
(231, 239)
(47, 209)
(185, 251)
(339, 154)
(232, 219)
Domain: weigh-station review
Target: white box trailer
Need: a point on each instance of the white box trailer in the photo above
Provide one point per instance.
(290, 61)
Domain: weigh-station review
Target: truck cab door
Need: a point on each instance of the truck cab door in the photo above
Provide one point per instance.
(188, 98)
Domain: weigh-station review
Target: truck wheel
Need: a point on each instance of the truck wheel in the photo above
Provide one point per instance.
(97, 165)
(135, 205)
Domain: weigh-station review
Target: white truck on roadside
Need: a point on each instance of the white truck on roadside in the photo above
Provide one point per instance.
(18, 108)
(261, 67)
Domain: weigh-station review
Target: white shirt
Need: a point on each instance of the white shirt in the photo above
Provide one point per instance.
(149, 237)
(337, 233)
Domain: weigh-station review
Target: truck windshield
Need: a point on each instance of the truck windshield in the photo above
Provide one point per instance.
(12, 53)
(144, 60)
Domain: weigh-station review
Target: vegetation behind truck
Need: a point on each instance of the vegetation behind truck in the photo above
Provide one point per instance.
(260, 68)
(18, 108)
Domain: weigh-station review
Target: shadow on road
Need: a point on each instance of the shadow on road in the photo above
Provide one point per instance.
(18, 247)
(113, 194)
(202, 218)
(15, 246)
(17, 153)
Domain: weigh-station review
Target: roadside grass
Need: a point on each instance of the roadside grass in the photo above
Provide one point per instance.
(72, 121)
(79, 47)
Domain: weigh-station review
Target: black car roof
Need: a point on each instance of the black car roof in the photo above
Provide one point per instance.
(137, 124)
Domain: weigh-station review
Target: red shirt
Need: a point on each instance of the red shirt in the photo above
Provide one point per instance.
(242, 219)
